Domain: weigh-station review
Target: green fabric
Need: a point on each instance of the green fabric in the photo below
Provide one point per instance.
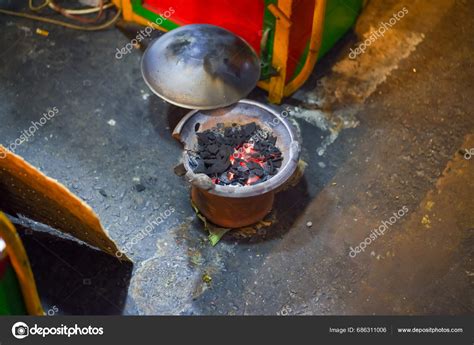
(11, 298)
(340, 16)
(152, 16)
(267, 52)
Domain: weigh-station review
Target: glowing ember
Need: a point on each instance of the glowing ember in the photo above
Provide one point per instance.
(252, 180)
(243, 155)
(246, 153)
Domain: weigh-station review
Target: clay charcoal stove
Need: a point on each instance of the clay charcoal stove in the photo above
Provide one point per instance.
(237, 155)
(236, 158)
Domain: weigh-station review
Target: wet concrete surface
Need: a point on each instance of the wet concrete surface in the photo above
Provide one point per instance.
(387, 136)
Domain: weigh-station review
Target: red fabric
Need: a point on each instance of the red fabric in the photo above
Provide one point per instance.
(302, 18)
(243, 17)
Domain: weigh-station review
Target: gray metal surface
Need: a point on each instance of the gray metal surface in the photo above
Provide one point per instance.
(200, 66)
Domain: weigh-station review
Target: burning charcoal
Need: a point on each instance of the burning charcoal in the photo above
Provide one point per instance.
(248, 129)
(224, 151)
(211, 137)
(202, 138)
(261, 134)
(269, 167)
(206, 155)
(259, 172)
(252, 165)
(277, 164)
(252, 179)
(218, 167)
(242, 169)
(239, 155)
(272, 140)
(224, 180)
(213, 148)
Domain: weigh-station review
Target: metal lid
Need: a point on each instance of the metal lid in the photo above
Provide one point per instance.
(200, 66)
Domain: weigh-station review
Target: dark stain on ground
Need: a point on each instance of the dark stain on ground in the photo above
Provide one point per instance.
(67, 272)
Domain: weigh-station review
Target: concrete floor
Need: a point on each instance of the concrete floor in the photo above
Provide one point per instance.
(379, 133)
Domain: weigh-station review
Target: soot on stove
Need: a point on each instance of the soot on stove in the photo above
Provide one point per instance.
(239, 155)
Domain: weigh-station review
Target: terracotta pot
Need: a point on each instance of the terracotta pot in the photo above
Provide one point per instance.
(232, 212)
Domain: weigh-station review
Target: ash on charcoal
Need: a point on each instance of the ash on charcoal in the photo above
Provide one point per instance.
(239, 155)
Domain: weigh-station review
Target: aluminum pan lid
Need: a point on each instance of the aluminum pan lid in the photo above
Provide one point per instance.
(200, 66)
